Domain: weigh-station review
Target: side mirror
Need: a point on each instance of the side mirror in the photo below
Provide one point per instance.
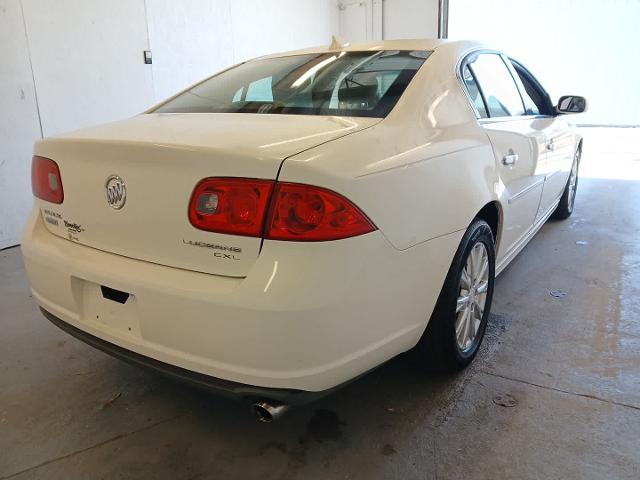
(571, 104)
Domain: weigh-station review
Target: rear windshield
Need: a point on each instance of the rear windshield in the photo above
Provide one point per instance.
(364, 84)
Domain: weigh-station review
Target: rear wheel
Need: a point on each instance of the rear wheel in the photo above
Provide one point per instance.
(565, 207)
(459, 320)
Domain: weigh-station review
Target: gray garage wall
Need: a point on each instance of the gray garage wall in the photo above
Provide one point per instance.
(66, 64)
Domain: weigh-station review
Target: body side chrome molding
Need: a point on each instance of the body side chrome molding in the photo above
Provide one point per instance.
(551, 174)
(524, 191)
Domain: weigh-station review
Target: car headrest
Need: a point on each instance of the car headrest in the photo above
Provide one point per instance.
(364, 93)
(321, 95)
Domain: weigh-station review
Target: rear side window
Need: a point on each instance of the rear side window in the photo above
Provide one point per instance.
(498, 87)
(474, 92)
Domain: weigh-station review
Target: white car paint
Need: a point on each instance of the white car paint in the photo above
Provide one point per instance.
(161, 157)
(296, 315)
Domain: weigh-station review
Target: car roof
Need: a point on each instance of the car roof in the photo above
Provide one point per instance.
(455, 47)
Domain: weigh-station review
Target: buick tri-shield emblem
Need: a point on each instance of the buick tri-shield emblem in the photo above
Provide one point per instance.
(116, 192)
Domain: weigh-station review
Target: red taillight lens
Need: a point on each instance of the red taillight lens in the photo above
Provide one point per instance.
(238, 206)
(230, 205)
(45, 180)
(311, 214)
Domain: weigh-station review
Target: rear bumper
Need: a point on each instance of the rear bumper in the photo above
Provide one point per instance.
(307, 317)
(225, 388)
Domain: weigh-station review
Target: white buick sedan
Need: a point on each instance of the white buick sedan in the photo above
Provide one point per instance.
(294, 221)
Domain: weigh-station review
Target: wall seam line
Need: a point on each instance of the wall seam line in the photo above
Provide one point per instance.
(33, 77)
(146, 23)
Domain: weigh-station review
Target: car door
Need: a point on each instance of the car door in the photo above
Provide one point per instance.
(518, 142)
(555, 164)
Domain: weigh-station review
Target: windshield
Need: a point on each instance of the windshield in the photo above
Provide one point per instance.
(365, 84)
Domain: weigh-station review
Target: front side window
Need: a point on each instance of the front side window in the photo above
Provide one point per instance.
(347, 83)
(498, 87)
(529, 105)
(533, 92)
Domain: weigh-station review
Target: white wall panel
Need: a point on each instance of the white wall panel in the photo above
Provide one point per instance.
(19, 126)
(87, 60)
(357, 20)
(267, 26)
(190, 40)
(410, 19)
(370, 20)
(584, 47)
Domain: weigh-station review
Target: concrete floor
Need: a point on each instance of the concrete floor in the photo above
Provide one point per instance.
(570, 362)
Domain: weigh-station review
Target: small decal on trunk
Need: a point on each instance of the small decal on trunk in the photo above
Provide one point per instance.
(73, 227)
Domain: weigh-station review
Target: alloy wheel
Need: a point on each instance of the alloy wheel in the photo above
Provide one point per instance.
(573, 181)
(472, 296)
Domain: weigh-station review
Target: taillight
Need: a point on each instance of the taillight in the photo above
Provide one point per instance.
(230, 205)
(312, 214)
(46, 183)
(293, 211)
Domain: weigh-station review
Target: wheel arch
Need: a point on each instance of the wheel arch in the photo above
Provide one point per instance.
(493, 215)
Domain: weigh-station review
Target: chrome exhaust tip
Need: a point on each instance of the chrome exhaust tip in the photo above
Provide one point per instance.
(267, 411)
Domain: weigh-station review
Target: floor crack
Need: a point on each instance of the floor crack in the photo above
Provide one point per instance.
(567, 392)
(100, 444)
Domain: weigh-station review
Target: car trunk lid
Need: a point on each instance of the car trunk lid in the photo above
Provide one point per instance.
(160, 158)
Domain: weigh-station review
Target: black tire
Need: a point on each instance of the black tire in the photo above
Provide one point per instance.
(439, 347)
(567, 201)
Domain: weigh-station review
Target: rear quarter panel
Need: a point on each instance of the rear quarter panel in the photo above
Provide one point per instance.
(423, 172)
(412, 196)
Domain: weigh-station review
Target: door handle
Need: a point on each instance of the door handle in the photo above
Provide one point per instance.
(551, 146)
(510, 159)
